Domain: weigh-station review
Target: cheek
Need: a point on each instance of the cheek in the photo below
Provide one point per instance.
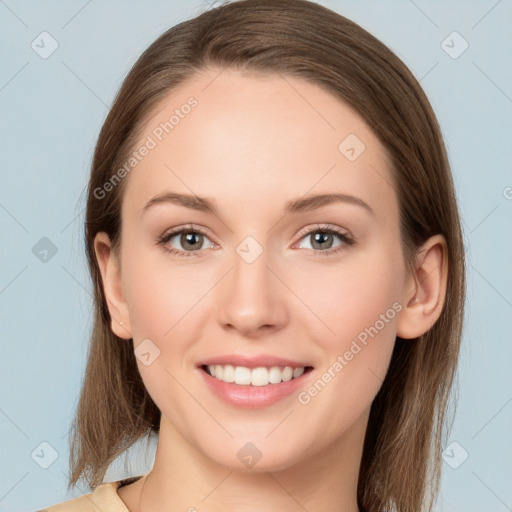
(358, 305)
(355, 359)
(160, 293)
(350, 298)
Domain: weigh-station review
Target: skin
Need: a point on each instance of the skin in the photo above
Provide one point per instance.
(253, 143)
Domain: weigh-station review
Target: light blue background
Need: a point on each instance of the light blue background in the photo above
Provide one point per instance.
(51, 113)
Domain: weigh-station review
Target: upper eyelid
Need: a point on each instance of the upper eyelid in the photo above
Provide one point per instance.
(324, 227)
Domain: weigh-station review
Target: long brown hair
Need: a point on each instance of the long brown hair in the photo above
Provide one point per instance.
(401, 464)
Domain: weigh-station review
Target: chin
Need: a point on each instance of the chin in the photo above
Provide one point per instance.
(255, 454)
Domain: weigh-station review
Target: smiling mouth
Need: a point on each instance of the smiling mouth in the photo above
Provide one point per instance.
(260, 376)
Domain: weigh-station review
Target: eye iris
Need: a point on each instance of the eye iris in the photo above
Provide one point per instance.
(322, 239)
(189, 239)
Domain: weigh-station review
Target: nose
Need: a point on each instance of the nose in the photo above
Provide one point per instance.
(252, 299)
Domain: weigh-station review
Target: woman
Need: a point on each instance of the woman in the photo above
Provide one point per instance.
(276, 251)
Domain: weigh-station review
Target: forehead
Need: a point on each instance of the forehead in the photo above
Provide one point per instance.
(245, 137)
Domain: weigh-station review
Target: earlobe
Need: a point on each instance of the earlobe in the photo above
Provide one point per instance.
(425, 292)
(109, 265)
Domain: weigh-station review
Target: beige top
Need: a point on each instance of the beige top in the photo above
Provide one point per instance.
(104, 498)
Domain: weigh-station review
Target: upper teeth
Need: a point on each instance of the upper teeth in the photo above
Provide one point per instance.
(254, 376)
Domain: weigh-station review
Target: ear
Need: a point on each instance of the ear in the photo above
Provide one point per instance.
(110, 268)
(425, 291)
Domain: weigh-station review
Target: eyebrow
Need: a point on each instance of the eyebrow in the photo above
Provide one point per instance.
(207, 205)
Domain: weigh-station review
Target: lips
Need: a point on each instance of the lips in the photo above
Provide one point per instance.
(263, 360)
(253, 382)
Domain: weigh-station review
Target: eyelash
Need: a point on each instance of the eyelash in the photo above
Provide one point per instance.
(164, 239)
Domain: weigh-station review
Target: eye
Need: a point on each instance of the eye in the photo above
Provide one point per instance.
(190, 240)
(322, 240)
(185, 241)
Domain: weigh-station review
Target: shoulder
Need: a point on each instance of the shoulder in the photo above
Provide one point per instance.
(104, 497)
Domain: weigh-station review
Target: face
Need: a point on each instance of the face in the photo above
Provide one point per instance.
(286, 253)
